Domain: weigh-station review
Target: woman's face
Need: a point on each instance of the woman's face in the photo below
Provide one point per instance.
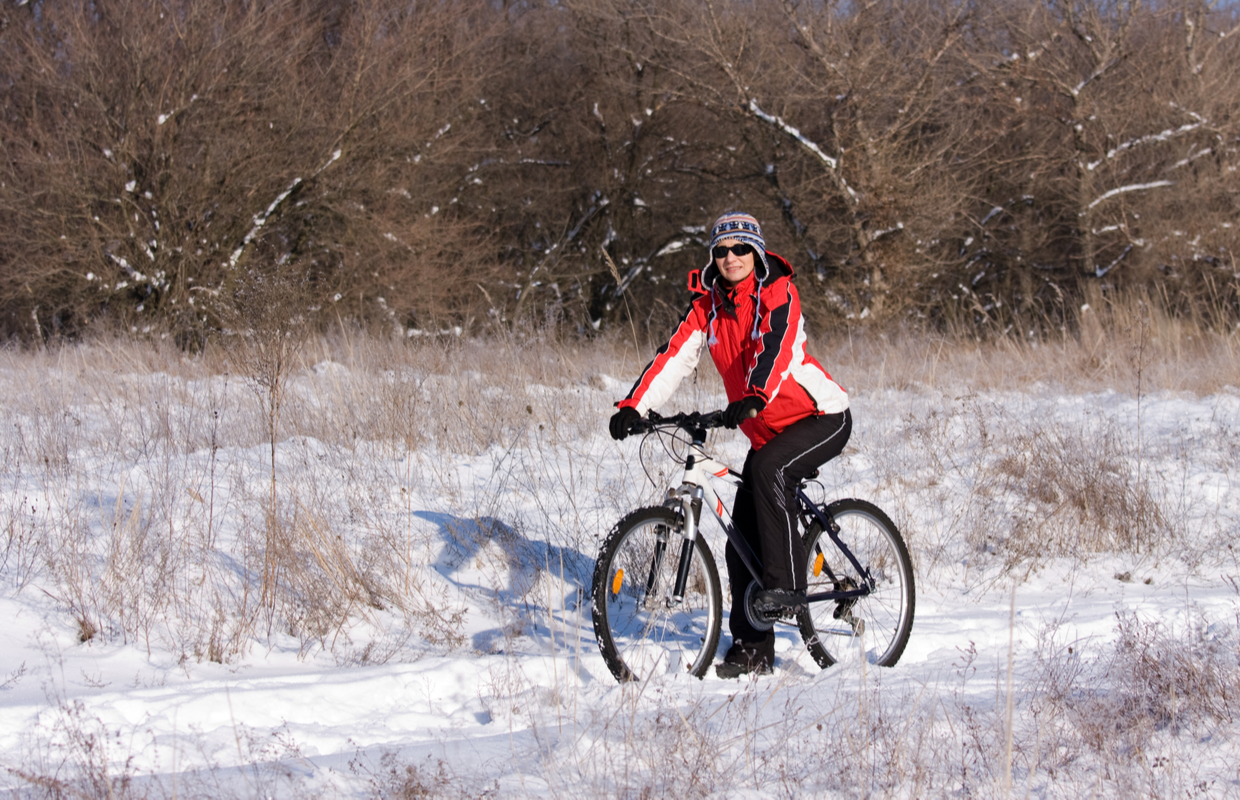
(733, 268)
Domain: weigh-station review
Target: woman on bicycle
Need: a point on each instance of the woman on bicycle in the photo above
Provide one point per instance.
(746, 310)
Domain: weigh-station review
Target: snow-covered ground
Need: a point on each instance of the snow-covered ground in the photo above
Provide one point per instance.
(1077, 627)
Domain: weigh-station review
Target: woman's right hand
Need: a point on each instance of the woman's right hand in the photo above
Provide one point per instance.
(622, 421)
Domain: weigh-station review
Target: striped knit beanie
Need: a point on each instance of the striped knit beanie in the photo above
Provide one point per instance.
(740, 227)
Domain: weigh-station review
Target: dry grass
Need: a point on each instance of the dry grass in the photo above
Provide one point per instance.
(139, 504)
(122, 496)
(140, 501)
(1127, 706)
(1127, 344)
(1103, 721)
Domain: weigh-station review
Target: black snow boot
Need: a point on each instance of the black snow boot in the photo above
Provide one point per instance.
(744, 658)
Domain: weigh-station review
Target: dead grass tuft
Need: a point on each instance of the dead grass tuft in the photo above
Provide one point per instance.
(1115, 704)
(1080, 494)
(1125, 342)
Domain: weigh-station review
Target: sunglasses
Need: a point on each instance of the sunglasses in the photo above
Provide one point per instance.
(721, 251)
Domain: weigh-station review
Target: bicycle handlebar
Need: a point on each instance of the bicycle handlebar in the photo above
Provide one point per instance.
(694, 421)
(654, 421)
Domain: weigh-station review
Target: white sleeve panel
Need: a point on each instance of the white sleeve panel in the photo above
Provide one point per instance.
(678, 365)
(827, 394)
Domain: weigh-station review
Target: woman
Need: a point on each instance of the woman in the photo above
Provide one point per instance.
(747, 311)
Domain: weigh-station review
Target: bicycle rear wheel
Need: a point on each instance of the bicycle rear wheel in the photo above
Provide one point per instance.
(874, 627)
(641, 629)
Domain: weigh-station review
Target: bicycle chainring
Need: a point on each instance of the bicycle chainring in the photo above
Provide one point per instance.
(757, 620)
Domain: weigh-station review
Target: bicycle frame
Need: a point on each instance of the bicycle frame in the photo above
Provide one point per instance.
(696, 491)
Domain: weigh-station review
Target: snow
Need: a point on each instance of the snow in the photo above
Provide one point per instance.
(795, 133)
(259, 220)
(1151, 138)
(1135, 187)
(503, 532)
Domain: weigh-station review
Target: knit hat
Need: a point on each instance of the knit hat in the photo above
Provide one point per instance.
(744, 228)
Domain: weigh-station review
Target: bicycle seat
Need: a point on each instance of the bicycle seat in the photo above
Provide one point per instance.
(810, 476)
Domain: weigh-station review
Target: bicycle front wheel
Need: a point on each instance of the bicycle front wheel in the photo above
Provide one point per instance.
(642, 629)
(876, 626)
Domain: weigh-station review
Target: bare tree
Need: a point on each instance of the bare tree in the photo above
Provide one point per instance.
(606, 157)
(153, 148)
(1120, 124)
(463, 164)
(850, 136)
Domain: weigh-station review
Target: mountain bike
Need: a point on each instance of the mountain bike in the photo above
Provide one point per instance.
(656, 596)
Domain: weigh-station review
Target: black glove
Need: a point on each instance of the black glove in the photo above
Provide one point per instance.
(741, 410)
(622, 421)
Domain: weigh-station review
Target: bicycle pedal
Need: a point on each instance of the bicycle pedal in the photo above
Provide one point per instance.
(780, 614)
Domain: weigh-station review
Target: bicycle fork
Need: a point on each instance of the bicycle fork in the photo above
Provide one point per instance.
(689, 500)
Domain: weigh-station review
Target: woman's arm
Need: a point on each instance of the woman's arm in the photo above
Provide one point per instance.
(674, 360)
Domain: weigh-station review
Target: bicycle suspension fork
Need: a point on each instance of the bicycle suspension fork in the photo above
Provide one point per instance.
(690, 497)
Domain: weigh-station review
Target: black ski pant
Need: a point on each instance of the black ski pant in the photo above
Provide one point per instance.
(765, 512)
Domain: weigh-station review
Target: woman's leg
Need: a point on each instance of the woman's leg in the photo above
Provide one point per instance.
(783, 462)
(745, 519)
(777, 469)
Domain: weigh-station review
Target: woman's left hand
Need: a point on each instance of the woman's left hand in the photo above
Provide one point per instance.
(741, 410)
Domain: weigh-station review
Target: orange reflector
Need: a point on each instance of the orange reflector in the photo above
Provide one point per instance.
(619, 579)
(818, 565)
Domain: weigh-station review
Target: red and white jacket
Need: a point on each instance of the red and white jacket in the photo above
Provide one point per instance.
(756, 337)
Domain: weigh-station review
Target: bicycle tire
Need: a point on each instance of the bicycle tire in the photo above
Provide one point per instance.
(641, 633)
(876, 626)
